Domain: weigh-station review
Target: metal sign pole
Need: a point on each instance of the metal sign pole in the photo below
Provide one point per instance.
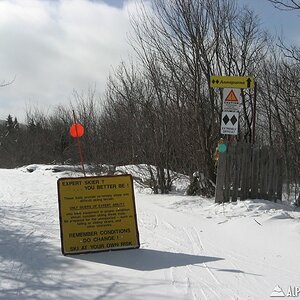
(254, 112)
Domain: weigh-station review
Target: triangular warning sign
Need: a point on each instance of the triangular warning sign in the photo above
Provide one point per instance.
(231, 97)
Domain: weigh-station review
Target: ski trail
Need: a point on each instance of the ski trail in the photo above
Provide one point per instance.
(194, 283)
(208, 287)
(199, 250)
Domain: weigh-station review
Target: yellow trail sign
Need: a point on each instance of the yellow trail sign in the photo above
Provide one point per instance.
(239, 82)
(97, 214)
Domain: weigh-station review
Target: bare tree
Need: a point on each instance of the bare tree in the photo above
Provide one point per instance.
(181, 44)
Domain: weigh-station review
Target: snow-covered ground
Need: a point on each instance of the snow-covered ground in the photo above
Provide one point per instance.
(191, 248)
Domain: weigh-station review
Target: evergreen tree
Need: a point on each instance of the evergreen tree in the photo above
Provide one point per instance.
(16, 124)
(9, 124)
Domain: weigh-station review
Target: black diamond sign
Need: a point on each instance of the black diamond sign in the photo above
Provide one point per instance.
(226, 119)
(229, 124)
(233, 119)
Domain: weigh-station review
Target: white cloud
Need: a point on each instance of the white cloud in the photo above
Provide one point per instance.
(54, 47)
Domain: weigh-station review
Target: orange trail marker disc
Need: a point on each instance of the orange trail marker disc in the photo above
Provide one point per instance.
(77, 130)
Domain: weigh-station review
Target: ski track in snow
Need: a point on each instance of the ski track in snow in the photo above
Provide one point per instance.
(209, 285)
(191, 248)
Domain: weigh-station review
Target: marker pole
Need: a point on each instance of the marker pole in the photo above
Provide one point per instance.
(79, 144)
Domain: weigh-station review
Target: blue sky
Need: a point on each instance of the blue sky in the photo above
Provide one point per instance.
(280, 23)
(116, 3)
(52, 48)
(271, 17)
(285, 24)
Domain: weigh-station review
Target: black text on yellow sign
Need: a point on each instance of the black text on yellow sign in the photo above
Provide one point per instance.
(97, 214)
(241, 82)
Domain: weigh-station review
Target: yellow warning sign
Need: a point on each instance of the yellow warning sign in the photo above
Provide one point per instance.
(97, 214)
(231, 97)
(241, 82)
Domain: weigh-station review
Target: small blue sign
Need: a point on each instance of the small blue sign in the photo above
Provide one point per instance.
(222, 148)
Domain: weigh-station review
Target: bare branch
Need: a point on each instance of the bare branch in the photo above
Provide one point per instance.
(286, 4)
(6, 83)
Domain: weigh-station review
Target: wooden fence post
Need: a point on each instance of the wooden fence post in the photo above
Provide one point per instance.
(254, 172)
(235, 173)
(219, 198)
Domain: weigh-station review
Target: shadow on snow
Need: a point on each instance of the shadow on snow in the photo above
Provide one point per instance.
(31, 261)
(145, 259)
